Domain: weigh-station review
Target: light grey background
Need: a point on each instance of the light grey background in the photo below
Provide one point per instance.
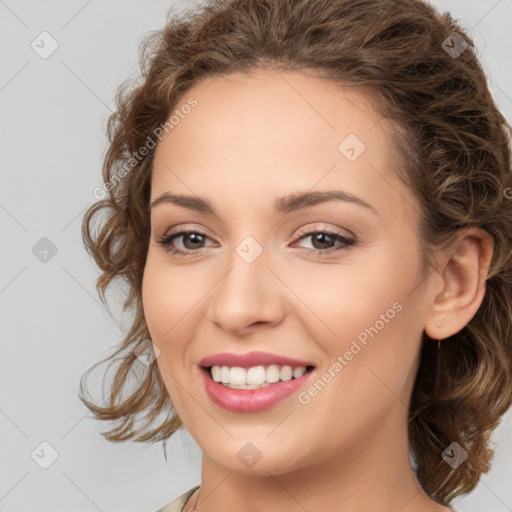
(53, 327)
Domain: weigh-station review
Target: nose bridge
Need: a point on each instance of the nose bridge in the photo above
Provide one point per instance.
(248, 291)
(248, 275)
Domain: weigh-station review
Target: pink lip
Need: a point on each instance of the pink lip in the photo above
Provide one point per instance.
(251, 400)
(251, 359)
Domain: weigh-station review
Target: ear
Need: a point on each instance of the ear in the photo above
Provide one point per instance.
(459, 287)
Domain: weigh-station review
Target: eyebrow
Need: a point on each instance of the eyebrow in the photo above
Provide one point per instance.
(286, 204)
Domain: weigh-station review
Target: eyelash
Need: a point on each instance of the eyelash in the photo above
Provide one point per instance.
(345, 242)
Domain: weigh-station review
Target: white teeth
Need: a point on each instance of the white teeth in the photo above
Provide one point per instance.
(299, 372)
(216, 373)
(273, 372)
(247, 386)
(224, 375)
(254, 377)
(237, 375)
(286, 373)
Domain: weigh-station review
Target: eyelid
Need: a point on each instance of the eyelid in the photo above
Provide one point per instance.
(344, 242)
(186, 227)
(318, 226)
(321, 226)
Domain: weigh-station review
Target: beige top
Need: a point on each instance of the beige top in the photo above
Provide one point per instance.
(178, 504)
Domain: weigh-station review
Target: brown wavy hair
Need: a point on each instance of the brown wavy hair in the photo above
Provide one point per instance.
(454, 149)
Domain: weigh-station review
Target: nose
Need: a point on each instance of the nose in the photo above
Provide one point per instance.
(248, 296)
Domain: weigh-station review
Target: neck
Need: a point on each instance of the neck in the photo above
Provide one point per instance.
(373, 473)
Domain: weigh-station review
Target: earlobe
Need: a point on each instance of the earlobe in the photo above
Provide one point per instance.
(462, 283)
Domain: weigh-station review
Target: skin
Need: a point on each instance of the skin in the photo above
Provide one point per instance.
(250, 140)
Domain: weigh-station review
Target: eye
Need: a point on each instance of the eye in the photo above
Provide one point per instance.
(323, 238)
(192, 239)
(196, 237)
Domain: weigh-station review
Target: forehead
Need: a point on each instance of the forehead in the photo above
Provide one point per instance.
(274, 131)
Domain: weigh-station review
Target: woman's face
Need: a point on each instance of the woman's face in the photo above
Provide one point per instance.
(249, 282)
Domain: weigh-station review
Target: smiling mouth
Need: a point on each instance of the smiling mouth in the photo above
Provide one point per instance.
(255, 377)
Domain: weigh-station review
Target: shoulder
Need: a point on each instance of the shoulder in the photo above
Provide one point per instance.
(178, 504)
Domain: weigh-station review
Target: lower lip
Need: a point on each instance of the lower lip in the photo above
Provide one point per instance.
(251, 400)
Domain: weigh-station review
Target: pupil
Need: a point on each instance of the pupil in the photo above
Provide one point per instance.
(319, 237)
(192, 236)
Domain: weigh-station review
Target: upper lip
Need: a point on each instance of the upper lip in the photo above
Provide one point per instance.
(251, 359)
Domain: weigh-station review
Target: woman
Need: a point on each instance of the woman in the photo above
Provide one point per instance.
(310, 204)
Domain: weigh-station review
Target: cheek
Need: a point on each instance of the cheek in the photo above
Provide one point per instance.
(373, 319)
(172, 304)
(389, 335)
(366, 288)
(165, 297)
(163, 309)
